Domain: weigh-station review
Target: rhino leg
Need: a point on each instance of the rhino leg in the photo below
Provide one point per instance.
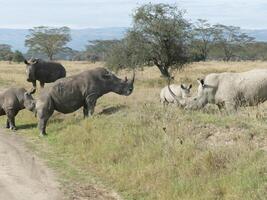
(42, 84)
(7, 124)
(43, 117)
(42, 126)
(85, 111)
(11, 119)
(89, 107)
(231, 107)
(88, 110)
(164, 102)
(34, 84)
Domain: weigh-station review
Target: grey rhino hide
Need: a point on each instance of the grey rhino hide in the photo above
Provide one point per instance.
(231, 90)
(45, 72)
(12, 101)
(82, 90)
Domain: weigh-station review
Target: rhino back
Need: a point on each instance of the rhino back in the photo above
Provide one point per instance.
(165, 93)
(68, 94)
(249, 87)
(252, 86)
(13, 98)
(49, 72)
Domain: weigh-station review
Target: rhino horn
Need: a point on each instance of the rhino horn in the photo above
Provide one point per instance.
(32, 91)
(132, 80)
(173, 95)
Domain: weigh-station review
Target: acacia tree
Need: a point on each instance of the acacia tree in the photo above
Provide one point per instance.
(130, 52)
(48, 40)
(5, 52)
(98, 49)
(229, 38)
(204, 36)
(159, 35)
(18, 57)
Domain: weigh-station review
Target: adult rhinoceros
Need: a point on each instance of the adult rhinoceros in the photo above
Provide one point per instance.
(45, 72)
(69, 94)
(231, 90)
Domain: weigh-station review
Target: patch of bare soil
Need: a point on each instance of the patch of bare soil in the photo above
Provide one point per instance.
(22, 175)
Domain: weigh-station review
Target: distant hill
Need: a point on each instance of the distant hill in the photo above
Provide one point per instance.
(80, 37)
(260, 35)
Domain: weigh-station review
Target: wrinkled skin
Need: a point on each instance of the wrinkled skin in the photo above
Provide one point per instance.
(231, 90)
(44, 72)
(180, 91)
(82, 90)
(12, 101)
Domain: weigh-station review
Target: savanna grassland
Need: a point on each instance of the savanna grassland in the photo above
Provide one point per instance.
(141, 150)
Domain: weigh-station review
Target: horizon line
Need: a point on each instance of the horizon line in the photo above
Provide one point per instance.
(72, 28)
(95, 27)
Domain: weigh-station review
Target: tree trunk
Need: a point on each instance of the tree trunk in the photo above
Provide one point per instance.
(164, 71)
(50, 57)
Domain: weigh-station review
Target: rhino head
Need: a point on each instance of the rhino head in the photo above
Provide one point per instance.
(28, 101)
(117, 85)
(185, 90)
(203, 95)
(30, 69)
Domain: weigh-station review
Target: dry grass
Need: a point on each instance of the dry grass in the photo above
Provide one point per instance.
(145, 151)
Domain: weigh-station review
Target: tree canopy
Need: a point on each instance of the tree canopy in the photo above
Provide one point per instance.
(160, 35)
(229, 39)
(5, 52)
(48, 40)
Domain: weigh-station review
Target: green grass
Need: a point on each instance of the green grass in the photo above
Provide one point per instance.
(144, 151)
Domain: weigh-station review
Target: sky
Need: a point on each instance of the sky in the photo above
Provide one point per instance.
(78, 14)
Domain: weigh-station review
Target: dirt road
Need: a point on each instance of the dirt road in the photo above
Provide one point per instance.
(22, 175)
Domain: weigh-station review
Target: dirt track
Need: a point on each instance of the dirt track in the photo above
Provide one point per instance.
(22, 175)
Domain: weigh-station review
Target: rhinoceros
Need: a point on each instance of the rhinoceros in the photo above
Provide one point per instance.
(231, 90)
(180, 91)
(12, 101)
(69, 94)
(44, 72)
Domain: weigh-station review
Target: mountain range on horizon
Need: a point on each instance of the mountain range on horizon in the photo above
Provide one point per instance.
(80, 37)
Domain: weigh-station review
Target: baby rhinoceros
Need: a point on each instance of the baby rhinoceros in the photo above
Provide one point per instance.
(181, 91)
(12, 101)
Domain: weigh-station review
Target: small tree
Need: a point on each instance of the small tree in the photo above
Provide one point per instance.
(98, 49)
(160, 35)
(229, 38)
(18, 57)
(6, 53)
(47, 40)
(204, 36)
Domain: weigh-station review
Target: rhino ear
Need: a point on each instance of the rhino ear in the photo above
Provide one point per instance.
(200, 82)
(35, 60)
(32, 91)
(126, 79)
(26, 62)
(183, 87)
(190, 86)
(26, 94)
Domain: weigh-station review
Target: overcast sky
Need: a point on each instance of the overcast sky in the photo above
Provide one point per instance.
(250, 14)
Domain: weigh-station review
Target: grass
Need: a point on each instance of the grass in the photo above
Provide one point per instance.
(144, 151)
